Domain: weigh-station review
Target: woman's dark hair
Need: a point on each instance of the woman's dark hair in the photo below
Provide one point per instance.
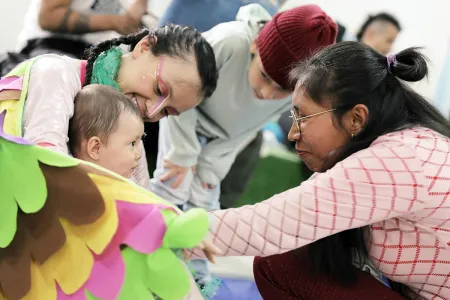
(351, 73)
(172, 40)
(382, 17)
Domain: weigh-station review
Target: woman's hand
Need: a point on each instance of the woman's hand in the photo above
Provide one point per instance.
(174, 171)
(131, 20)
(208, 248)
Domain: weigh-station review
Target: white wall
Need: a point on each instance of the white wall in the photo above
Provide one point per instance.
(424, 23)
(11, 20)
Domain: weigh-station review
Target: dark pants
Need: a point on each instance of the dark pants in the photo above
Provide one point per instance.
(291, 276)
(234, 184)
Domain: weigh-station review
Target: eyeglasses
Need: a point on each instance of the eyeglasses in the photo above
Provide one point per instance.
(298, 120)
(155, 108)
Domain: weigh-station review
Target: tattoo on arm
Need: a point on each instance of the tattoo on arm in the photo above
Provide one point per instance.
(80, 26)
(63, 27)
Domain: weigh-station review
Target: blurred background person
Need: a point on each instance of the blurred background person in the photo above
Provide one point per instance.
(379, 32)
(69, 27)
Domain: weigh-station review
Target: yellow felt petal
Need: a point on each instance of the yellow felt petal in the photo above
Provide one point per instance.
(71, 265)
(40, 287)
(100, 233)
(9, 126)
(124, 191)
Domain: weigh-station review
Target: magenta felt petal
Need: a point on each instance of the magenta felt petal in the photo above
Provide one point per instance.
(147, 235)
(109, 274)
(141, 227)
(11, 83)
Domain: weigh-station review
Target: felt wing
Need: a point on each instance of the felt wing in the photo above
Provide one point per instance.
(72, 230)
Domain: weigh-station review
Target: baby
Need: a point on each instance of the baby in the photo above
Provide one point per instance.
(106, 129)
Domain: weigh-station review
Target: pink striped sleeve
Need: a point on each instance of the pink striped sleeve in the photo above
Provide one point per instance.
(378, 183)
(140, 174)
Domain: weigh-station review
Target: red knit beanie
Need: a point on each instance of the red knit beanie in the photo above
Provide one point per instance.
(292, 36)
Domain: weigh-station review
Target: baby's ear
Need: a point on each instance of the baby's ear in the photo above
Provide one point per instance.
(92, 147)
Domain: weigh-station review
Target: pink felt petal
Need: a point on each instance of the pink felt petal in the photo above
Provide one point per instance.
(11, 83)
(107, 276)
(141, 227)
(147, 235)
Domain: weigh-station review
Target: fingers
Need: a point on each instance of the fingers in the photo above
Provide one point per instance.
(167, 164)
(170, 174)
(210, 256)
(185, 254)
(178, 181)
(213, 248)
(208, 186)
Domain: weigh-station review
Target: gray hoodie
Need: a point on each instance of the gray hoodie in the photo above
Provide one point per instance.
(231, 116)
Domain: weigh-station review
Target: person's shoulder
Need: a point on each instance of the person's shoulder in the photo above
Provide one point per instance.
(56, 67)
(49, 63)
(230, 34)
(403, 144)
(226, 30)
(56, 71)
(228, 39)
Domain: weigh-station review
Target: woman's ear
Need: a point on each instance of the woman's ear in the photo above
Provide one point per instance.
(144, 45)
(93, 146)
(359, 118)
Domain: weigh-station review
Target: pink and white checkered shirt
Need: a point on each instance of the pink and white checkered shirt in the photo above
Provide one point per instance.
(399, 186)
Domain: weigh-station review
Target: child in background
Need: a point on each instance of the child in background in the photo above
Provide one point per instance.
(252, 89)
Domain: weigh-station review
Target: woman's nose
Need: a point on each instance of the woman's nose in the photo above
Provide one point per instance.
(294, 134)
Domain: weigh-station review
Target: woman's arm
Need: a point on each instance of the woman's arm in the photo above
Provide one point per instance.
(378, 183)
(57, 16)
(52, 88)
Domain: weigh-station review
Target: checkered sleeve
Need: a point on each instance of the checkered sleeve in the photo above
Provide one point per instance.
(381, 182)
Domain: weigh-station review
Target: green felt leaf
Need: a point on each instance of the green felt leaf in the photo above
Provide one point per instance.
(55, 159)
(135, 276)
(160, 273)
(8, 215)
(22, 182)
(167, 277)
(186, 230)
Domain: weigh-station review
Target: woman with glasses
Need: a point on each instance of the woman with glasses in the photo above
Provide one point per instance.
(380, 198)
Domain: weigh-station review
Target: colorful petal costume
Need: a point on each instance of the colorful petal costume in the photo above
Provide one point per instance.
(73, 230)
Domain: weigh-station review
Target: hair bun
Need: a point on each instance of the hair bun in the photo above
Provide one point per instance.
(409, 65)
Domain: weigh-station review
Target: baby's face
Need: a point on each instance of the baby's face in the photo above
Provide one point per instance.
(122, 151)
